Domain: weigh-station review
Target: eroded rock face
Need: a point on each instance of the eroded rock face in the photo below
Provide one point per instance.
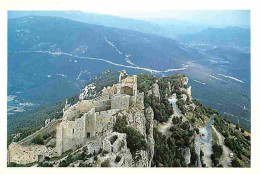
(149, 115)
(185, 80)
(189, 93)
(47, 121)
(142, 120)
(186, 154)
(118, 153)
(190, 107)
(184, 97)
(156, 91)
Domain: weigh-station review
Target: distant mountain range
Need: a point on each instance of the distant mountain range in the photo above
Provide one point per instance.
(50, 58)
(168, 28)
(233, 37)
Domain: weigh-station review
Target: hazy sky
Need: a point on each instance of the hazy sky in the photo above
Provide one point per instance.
(210, 17)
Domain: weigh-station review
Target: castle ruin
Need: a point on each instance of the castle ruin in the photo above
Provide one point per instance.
(82, 122)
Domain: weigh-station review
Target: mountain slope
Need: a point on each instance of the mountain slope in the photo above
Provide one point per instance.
(168, 28)
(49, 58)
(46, 53)
(234, 37)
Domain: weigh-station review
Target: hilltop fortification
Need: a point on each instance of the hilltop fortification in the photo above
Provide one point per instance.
(88, 124)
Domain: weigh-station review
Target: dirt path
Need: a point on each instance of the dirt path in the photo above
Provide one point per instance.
(224, 159)
(206, 142)
(164, 128)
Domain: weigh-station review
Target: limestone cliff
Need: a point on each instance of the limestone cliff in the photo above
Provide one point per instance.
(152, 123)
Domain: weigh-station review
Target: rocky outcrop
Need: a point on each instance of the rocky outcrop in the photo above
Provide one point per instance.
(185, 81)
(156, 91)
(118, 153)
(122, 75)
(186, 154)
(189, 93)
(184, 97)
(190, 107)
(149, 115)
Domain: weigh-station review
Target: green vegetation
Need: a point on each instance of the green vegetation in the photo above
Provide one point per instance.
(168, 152)
(34, 119)
(67, 161)
(118, 158)
(38, 140)
(24, 133)
(105, 164)
(217, 152)
(106, 78)
(135, 140)
(162, 109)
(235, 163)
(235, 139)
(44, 164)
(13, 164)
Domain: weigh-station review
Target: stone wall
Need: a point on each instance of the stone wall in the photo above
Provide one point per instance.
(71, 134)
(78, 109)
(74, 134)
(90, 128)
(85, 106)
(43, 131)
(110, 90)
(140, 98)
(105, 121)
(27, 154)
(120, 101)
(102, 105)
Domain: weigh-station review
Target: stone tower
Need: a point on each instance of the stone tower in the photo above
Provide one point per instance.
(122, 75)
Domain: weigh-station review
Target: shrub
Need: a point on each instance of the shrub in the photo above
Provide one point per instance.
(236, 163)
(113, 139)
(105, 164)
(84, 165)
(81, 156)
(175, 120)
(38, 140)
(45, 136)
(217, 150)
(194, 156)
(176, 163)
(89, 155)
(118, 158)
(44, 164)
(13, 164)
(104, 152)
(197, 130)
(135, 140)
(65, 163)
(47, 158)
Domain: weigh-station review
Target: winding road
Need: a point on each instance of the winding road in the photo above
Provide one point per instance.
(206, 142)
(104, 60)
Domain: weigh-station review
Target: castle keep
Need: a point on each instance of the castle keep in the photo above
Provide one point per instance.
(89, 119)
(83, 122)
